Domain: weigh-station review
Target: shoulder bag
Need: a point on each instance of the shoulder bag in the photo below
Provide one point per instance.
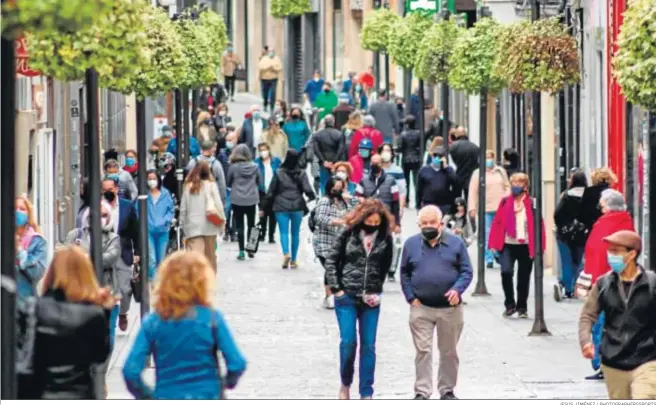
(212, 212)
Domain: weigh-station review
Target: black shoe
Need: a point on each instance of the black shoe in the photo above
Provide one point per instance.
(599, 375)
(272, 241)
(262, 239)
(489, 265)
(251, 255)
(523, 314)
(391, 278)
(419, 396)
(509, 312)
(448, 395)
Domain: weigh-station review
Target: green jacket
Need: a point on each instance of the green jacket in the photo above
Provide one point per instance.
(327, 101)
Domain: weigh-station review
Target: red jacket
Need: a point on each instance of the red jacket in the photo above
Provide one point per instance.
(358, 168)
(595, 256)
(373, 134)
(501, 218)
(367, 80)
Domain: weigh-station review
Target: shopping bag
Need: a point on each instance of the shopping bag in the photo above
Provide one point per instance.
(253, 242)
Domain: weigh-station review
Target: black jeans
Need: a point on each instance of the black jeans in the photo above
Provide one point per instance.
(270, 219)
(269, 92)
(509, 255)
(238, 213)
(322, 260)
(414, 169)
(229, 84)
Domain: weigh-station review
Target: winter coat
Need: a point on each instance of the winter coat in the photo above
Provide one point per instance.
(386, 191)
(217, 172)
(409, 145)
(229, 62)
(269, 67)
(245, 183)
(275, 164)
(328, 145)
(497, 187)
(278, 143)
(596, 249)
(590, 211)
(326, 103)
(348, 261)
(568, 208)
(372, 134)
(465, 155)
(325, 234)
(286, 191)
(437, 187)
(30, 265)
(160, 212)
(194, 146)
(313, 88)
(505, 218)
(387, 119)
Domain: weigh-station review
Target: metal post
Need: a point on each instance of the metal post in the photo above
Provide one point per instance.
(420, 120)
(387, 73)
(183, 137)
(650, 204)
(195, 96)
(143, 206)
(445, 119)
(228, 18)
(513, 120)
(95, 184)
(562, 131)
(481, 288)
(178, 151)
(376, 71)
(539, 325)
(523, 136)
(497, 106)
(246, 46)
(7, 217)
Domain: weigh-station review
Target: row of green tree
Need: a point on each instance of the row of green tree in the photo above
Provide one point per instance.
(134, 47)
(523, 56)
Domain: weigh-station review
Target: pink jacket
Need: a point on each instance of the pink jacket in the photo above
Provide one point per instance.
(504, 223)
(496, 188)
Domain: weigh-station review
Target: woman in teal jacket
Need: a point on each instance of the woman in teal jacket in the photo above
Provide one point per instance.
(31, 250)
(297, 130)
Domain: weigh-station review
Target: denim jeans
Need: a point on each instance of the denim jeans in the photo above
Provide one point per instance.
(489, 217)
(284, 219)
(597, 334)
(570, 264)
(324, 175)
(157, 245)
(228, 212)
(351, 311)
(113, 319)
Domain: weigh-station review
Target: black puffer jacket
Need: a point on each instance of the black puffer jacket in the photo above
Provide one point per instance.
(286, 191)
(72, 338)
(589, 211)
(347, 263)
(409, 146)
(465, 155)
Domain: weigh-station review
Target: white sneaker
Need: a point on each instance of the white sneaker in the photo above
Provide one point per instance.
(329, 302)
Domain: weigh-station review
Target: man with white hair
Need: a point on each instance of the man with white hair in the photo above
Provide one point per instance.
(368, 131)
(435, 272)
(252, 130)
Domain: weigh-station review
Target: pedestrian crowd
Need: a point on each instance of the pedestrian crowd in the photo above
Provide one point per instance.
(356, 152)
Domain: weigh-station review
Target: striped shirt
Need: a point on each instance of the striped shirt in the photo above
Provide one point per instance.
(396, 172)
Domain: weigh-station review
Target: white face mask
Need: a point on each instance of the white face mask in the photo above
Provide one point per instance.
(222, 113)
(264, 154)
(386, 156)
(341, 175)
(152, 184)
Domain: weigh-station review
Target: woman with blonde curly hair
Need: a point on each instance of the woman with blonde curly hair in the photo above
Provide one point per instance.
(590, 211)
(184, 334)
(31, 250)
(356, 268)
(353, 124)
(72, 316)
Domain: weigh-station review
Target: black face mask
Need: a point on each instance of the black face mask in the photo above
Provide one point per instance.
(109, 196)
(429, 233)
(375, 169)
(369, 229)
(335, 193)
(295, 117)
(326, 90)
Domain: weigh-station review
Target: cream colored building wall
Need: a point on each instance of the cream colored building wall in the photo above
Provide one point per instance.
(131, 122)
(548, 160)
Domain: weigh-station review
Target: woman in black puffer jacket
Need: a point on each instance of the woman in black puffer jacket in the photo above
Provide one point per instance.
(409, 145)
(285, 199)
(356, 269)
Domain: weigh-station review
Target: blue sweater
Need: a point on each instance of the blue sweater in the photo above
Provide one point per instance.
(194, 146)
(437, 187)
(297, 132)
(427, 273)
(312, 89)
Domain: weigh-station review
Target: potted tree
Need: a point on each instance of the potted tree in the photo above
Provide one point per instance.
(287, 8)
(377, 29)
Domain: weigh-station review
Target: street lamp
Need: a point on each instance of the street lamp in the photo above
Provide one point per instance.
(446, 14)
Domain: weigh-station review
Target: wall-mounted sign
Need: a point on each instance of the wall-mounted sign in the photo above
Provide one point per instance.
(23, 57)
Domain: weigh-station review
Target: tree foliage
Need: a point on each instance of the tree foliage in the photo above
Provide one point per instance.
(405, 38)
(199, 54)
(539, 56)
(377, 29)
(216, 32)
(286, 8)
(634, 65)
(435, 47)
(115, 46)
(472, 61)
(20, 16)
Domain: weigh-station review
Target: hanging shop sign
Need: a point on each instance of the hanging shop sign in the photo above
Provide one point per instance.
(23, 57)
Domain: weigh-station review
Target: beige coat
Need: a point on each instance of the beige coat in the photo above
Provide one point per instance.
(497, 186)
(278, 143)
(229, 62)
(269, 68)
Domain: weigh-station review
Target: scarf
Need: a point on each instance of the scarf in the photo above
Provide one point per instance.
(509, 217)
(26, 239)
(131, 169)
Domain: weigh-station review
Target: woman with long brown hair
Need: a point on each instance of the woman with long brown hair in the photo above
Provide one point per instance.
(356, 268)
(200, 194)
(71, 330)
(187, 334)
(31, 249)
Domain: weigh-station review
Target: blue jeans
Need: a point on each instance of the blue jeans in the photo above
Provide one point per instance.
(158, 242)
(571, 264)
(324, 175)
(489, 217)
(284, 219)
(113, 319)
(351, 311)
(228, 211)
(597, 334)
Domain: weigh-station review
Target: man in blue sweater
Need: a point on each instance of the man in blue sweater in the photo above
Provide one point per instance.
(437, 183)
(435, 272)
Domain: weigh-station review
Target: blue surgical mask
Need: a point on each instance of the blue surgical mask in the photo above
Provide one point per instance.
(616, 262)
(365, 153)
(113, 176)
(130, 161)
(256, 115)
(230, 145)
(358, 88)
(21, 218)
(437, 161)
(489, 163)
(230, 49)
(517, 190)
(271, 54)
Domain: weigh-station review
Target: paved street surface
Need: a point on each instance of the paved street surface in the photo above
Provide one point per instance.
(291, 342)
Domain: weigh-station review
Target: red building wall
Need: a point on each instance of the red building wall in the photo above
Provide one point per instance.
(616, 105)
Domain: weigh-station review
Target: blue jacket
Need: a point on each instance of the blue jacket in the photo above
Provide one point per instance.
(185, 362)
(275, 164)
(160, 213)
(437, 187)
(194, 146)
(312, 89)
(247, 133)
(297, 132)
(346, 86)
(30, 267)
(427, 273)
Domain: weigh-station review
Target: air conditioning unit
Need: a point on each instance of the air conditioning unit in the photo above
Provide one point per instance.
(357, 5)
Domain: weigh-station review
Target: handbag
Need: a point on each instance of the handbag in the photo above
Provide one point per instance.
(135, 283)
(215, 353)
(212, 212)
(240, 73)
(253, 242)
